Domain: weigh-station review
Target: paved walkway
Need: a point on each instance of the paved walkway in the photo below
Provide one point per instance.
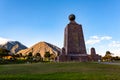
(112, 63)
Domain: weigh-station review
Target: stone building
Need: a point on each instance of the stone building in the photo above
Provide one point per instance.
(93, 55)
(74, 45)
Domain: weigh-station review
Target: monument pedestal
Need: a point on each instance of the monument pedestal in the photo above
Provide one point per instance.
(78, 58)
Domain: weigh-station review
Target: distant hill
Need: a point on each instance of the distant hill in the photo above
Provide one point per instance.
(41, 48)
(13, 46)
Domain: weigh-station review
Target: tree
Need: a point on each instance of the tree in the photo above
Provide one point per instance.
(4, 52)
(47, 55)
(17, 55)
(20, 55)
(38, 54)
(108, 56)
(52, 56)
(108, 53)
(38, 57)
(30, 57)
(116, 58)
(30, 54)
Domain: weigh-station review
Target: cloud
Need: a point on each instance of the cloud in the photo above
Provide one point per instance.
(4, 40)
(92, 41)
(106, 38)
(97, 39)
(114, 44)
(110, 45)
(116, 52)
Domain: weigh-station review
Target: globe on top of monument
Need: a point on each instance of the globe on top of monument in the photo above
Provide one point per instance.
(71, 17)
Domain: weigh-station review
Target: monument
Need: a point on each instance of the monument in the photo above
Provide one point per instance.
(74, 45)
(94, 56)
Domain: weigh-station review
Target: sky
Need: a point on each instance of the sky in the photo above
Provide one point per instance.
(32, 21)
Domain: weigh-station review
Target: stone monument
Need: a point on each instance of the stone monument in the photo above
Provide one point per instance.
(94, 56)
(74, 45)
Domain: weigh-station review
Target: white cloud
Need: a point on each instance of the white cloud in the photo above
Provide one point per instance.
(114, 47)
(92, 41)
(106, 38)
(94, 37)
(4, 40)
(116, 52)
(114, 44)
(110, 45)
(97, 39)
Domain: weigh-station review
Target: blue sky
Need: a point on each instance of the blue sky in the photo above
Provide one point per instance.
(32, 21)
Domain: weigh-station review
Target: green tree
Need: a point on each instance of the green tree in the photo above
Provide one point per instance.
(30, 57)
(108, 53)
(38, 57)
(20, 55)
(108, 56)
(4, 52)
(52, 56)
(38, 54)
(30, 54)
(47, 56)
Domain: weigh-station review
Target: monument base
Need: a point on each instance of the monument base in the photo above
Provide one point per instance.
(73, 57)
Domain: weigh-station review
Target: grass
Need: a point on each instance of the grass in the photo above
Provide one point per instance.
(60, 71)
